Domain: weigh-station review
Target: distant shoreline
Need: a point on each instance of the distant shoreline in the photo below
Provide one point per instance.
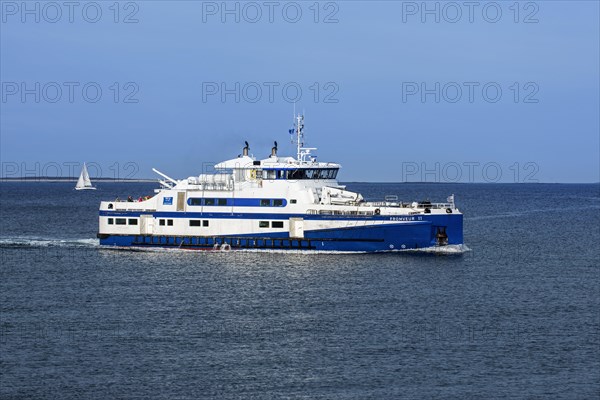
(148, 180)
(59, 180)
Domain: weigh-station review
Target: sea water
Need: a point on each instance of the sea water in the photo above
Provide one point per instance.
(513, 314)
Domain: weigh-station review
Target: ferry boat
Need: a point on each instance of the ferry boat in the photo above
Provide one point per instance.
(276, 203)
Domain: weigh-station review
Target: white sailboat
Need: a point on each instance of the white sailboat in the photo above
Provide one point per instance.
(84, 182)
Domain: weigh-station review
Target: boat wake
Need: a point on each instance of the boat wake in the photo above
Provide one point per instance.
(516, 214)
(451, 249)
(218, 251)
(34, 242)
(444, 250)
(37, 242)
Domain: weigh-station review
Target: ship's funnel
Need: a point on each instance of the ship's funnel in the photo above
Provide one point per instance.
(246, 149)
(274, 150)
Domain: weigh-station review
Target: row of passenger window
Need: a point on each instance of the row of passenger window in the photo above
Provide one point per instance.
(122, 221)
(195, 201)
(161, 222)
(197, 222)
(198, 201)
(192, 222)
(271, 202)
(272, 224)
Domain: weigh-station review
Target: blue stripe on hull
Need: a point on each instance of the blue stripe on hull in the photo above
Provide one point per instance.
(271, 216)
(365, 239)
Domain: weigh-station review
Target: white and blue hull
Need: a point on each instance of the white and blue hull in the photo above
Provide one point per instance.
(369, 234)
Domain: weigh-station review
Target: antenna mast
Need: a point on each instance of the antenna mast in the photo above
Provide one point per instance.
(298, 130)
(299, 135)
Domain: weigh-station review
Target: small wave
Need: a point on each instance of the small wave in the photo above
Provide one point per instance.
(515, 214)
(46, 242)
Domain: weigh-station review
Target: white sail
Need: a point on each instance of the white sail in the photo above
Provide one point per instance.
(84, 181)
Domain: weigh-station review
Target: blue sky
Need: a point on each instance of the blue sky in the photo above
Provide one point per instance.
(509, 97)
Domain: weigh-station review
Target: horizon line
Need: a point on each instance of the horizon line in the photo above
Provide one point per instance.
(148, 180)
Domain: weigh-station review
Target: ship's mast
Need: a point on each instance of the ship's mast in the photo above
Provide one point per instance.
(299, 135)
(298, 129)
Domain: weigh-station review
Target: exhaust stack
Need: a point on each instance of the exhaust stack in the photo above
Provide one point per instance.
(274, 150)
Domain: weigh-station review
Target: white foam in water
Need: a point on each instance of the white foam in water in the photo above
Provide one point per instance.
(534, 211)
(55, 242)
(449, 249)
(47, 242)
(211, 251)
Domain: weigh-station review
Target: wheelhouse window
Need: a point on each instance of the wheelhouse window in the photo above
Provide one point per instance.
(296, 174)
(303, 173)
(222, 202)
(265, 202)
(277, 203)
(121, 221)
(209, 202)
(195, 201)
